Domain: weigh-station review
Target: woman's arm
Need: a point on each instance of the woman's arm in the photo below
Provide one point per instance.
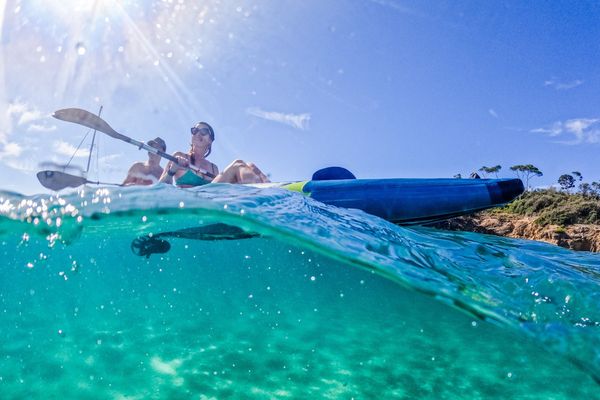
(172, 168)
(214, 171)
(167, 175)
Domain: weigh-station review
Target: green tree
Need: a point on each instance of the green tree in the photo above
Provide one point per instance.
(566, 182)
(577, 175)
(490, 170)
(595, 188)
(585, 189)
(526, 172)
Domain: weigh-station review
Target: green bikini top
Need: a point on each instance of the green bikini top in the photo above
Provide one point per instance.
(191, 179)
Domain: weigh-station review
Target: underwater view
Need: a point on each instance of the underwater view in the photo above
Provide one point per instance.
(297, 300)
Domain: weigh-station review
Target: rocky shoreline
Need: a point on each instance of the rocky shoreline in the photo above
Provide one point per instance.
(581, 237)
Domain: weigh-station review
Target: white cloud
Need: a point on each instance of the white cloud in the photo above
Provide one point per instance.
(493, 113)
(556, 84)
(579, 127)
(396, 6)
(24, 116)
(109, 158)
(30, 116)
(24, 113)
(25, 165)
(583, 130)
(67, 149)
(15, 109)
(41, 128)
(107, 164)
(11, 155)
(10, 149)
(553, 130)
(298, 121)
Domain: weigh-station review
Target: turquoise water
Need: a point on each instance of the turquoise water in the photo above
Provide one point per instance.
(326, 303)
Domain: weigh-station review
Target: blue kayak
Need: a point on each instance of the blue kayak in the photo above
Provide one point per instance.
(412, 201)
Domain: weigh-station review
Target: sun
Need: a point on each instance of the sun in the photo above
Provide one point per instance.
(113, 50)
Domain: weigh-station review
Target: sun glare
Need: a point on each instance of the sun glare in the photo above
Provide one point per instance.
(67, 9)
(124, 51)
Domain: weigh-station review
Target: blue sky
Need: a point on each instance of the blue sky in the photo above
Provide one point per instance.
(385, 88)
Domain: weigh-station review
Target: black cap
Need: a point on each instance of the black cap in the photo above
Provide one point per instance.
(157, 142)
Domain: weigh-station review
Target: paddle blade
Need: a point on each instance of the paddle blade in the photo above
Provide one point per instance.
(56, 180)
(86, 118)
(145, 246)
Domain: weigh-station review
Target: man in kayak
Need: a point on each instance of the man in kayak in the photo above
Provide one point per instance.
(203, 137)
(149, 172)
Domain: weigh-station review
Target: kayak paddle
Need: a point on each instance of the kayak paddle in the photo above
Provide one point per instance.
(152, 244)
(86, 118)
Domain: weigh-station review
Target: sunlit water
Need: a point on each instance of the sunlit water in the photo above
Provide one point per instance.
(326, 303)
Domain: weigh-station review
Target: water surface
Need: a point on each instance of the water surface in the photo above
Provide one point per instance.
(325, 303)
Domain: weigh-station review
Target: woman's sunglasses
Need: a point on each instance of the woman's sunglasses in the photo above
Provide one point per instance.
(203, 131)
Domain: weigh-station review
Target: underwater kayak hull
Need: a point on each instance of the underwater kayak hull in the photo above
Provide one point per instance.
(412, 201)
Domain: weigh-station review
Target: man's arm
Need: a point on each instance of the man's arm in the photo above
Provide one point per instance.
(133, 174)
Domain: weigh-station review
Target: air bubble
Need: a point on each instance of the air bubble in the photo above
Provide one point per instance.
(80, 48)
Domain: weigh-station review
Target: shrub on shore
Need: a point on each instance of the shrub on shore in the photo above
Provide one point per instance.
(550, 206)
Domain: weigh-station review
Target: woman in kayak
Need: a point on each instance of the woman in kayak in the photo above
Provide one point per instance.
(203, 136)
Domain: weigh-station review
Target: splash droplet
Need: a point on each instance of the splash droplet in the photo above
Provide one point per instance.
(80, 48)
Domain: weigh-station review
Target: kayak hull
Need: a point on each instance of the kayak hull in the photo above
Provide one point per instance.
(413, 201)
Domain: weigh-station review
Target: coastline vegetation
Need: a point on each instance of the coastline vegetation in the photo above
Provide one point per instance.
(555, 207)
(571, 202)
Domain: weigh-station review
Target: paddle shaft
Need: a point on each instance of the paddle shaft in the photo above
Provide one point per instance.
(86, 118)
(142, 145)
(87, 169)
(103, 183)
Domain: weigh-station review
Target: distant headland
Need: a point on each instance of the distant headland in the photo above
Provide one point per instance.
(566, 217)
